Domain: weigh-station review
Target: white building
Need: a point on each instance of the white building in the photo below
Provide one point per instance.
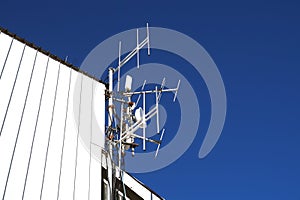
(52, 124)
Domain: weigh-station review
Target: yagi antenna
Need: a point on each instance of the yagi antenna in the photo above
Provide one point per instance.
(134, 52)
(130, 121)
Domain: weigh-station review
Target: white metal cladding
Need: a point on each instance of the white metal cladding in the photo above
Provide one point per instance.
(52, 121)
(43, 117)
(139, 188)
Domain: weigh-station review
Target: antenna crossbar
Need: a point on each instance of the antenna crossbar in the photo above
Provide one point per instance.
(132, 53)
(149, 91)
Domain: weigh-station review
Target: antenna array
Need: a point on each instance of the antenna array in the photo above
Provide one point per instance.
(122, 127)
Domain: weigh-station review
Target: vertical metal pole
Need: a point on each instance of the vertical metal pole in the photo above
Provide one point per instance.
(110, 90)
(120, 141)
(157, 113)
(137, 49)
(144, 121)
(110, 111)
(119, 68)
(148, 39)
(120, 52)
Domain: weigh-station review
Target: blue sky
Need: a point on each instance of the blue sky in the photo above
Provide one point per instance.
(256, 47)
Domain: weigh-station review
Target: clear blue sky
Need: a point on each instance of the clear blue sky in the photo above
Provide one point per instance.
(256, 46)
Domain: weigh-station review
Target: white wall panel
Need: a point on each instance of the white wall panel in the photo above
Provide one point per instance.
(5, 42)
(13, 118)
(36, 162)
(69, 152)
(52, 172)
(83, 156)
(97, 140)
(18, 170)
(98, 136)
(9, 75)
(54, 129)
(95, 174)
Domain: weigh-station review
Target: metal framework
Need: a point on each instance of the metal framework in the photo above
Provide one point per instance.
(122, 127)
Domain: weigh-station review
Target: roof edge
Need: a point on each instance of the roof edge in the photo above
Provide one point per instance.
(147, 187)
(47, 53)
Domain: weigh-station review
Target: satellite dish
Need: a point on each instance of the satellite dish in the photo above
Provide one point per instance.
(139, 117)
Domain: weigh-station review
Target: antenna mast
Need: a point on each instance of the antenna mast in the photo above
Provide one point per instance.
(122, 127)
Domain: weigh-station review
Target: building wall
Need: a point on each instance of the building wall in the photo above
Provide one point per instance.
(52, 123)
(52, 126)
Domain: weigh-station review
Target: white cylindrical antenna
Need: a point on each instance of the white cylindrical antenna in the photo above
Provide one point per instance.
(137, 49)
(176, 91)
(148, 39)
(144, 121)
(110, 101)
(119, 71)
(157, 114)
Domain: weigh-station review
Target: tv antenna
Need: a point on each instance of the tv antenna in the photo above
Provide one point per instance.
(122, 127)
